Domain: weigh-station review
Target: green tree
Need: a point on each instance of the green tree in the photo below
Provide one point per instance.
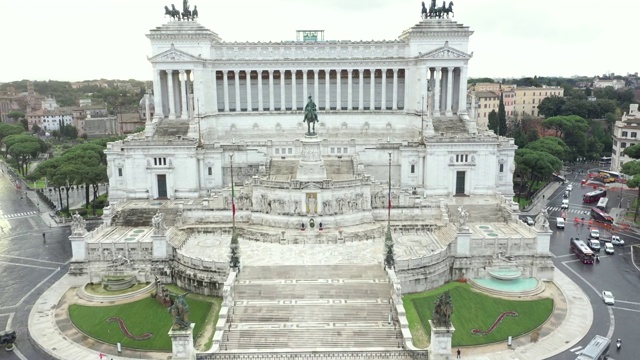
(35, 128)
(532, 167)
(16, 115)
(493, 121)
(632, 168)
(502, 116)
(550, 144)
(633, 152)
(23, 149)
(7, 129)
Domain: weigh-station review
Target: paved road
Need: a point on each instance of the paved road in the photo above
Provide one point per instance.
(614, 272)
(28, 265)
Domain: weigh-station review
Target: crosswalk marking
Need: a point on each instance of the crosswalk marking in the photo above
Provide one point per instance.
(18, 215)
(575, 211)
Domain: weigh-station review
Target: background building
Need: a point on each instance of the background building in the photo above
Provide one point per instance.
(625, 133)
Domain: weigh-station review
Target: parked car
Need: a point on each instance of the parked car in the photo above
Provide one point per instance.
(615, 240)
(529, 221)
(608, 248)
(594, 234)
(608, 298)
(594, 245)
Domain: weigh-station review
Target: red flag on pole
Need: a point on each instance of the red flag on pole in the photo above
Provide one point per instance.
(233, 200)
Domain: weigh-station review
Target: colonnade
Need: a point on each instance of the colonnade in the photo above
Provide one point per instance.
(444, 89)
(174, 101)
(280, 90)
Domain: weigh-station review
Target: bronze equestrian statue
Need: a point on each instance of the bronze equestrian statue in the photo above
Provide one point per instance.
(310, 117)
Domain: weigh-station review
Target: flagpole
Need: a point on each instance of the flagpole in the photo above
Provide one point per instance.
(233, 200)
(389, 210)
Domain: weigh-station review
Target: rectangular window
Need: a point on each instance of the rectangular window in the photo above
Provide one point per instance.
(339, 150)
(333, 150)
(155, 161)
(164, 161)
(413, 169)
(277, 150)
(634, 134)
(119, 171)
(624, 134)
(623, 145)
(290, 151)
(501, 167)
(344, 150)
(210, 170)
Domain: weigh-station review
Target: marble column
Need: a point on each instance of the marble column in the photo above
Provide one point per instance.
(260, 98)
(361, 89)
(247, 74)
(316, 94)
(214, 91)
(395, 90)
(236, 85)
(338, 89)
(271, 98)
(350, 89)
(283, 105)
(372, 90)
(172, 103)
(184, 113)
(424, 76)
(462, 91)
(305, 91)
(157, 95)
(383, 100)
(449, 90)
(294, 98)
(225, 89)
(327, 88)
(436, 91)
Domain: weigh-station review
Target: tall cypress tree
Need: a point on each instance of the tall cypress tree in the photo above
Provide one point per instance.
(502, 116)
(493, 121)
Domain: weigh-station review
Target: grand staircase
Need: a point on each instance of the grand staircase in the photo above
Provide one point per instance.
(312, 308)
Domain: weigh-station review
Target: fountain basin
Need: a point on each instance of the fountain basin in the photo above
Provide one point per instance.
(505, 274)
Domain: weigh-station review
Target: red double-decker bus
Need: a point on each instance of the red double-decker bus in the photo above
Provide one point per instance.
(594, 196)
(582, 251)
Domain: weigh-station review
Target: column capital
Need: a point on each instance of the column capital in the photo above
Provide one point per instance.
(182, 71)
(438, 68)
(451, 68)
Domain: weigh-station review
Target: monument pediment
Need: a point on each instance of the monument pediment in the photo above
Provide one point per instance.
(174, 55)
(446, 52)
(311, 186)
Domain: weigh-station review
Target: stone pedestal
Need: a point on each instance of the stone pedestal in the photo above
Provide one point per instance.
(78, 247)
(311, 167)
(440, 347)
(182, 344)
(159, 246)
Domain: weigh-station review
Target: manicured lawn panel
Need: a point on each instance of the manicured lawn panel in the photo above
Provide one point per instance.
(472, 310)
(146, 315)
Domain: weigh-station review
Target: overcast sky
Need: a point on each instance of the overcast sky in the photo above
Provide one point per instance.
(76, 40)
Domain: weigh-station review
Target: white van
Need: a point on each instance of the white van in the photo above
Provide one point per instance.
(560, 223)
(608, 248)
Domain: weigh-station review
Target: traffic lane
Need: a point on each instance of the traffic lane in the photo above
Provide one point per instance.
(602, 315)
(30, 244)
(627, 331)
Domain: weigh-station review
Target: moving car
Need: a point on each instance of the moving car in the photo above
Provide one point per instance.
(565, 204)
(529, 221)
(615, 240)
(608, 248)
(594, 234)
(594, 245)
(608, 298)
(560, 223)
(569, 187)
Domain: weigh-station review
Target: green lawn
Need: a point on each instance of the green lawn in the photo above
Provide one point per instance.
(473, 310)
(143, 316)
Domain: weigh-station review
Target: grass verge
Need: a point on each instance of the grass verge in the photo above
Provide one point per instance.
(143, 316)
(473, 310)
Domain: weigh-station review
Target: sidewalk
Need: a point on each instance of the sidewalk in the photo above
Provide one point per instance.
(541, 198)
